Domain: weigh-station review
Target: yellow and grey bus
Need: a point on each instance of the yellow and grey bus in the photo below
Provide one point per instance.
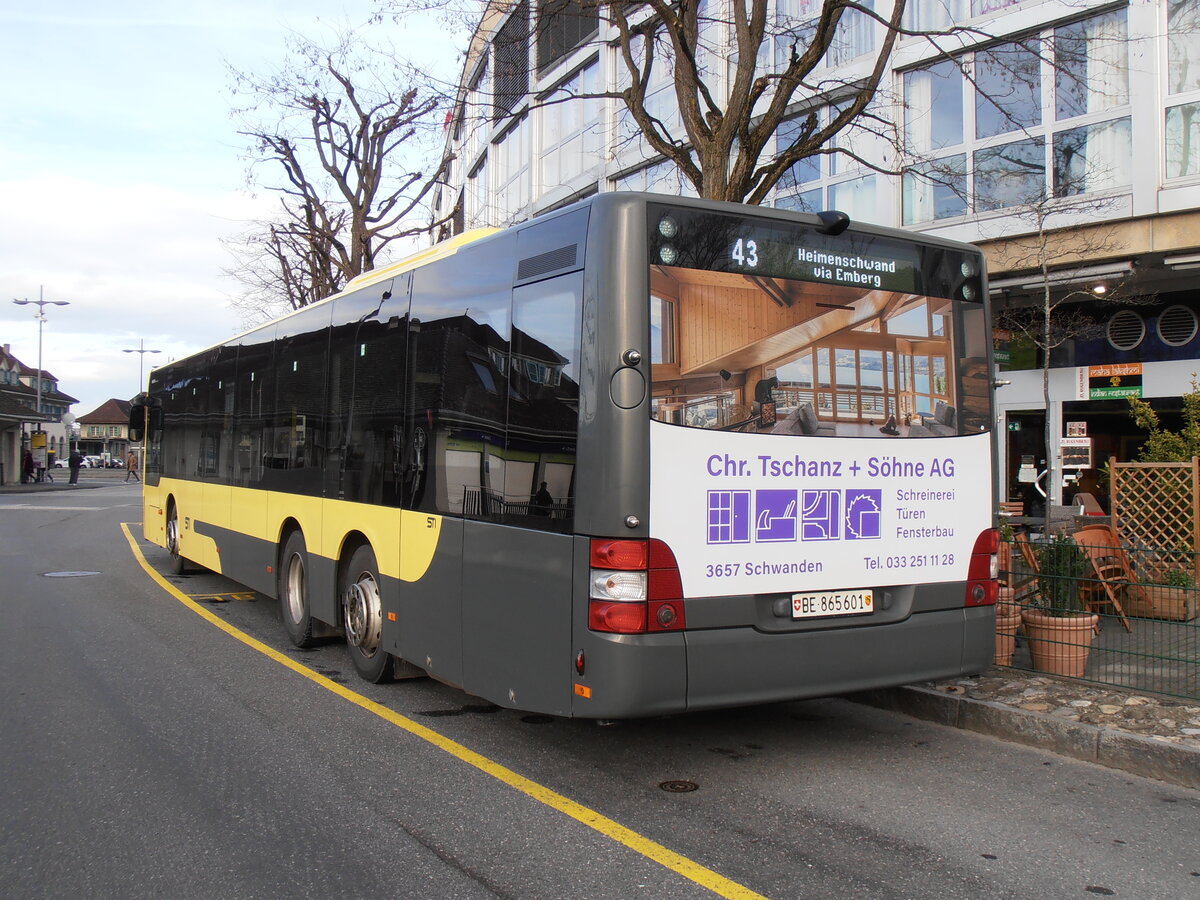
(639, 455)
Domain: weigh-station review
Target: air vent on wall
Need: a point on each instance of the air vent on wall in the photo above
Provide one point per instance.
(1126, 329)
(547, 262)
(1177, 325)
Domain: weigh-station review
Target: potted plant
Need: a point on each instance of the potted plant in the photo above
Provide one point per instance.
(1057, 622)
(1171, 595)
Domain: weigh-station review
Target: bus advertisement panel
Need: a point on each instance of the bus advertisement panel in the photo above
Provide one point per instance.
(812, 363)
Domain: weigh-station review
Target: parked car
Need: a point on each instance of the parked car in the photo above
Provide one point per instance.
(93, 462)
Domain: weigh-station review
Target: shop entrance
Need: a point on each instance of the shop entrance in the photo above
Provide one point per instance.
(1026, 443)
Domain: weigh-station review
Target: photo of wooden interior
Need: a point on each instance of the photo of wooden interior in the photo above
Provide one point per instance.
(749, 353)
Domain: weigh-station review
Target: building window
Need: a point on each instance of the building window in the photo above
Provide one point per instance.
(1092, 157)
(510, 171)
(562, 25)
(936, 189)
(1008, 95)
(476, 118)
(1183, 140)
(840, 181)
(660, 178)
(1010, 174)
(1090, 70)
(1183, 84)
(510, 52)
(1183, 46)
(659, 101)
(570, 130)
(1054, 104)
(938, 15)
(477, 207)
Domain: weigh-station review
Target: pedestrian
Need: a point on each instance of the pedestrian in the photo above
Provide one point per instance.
(542, 501)
(27, 468)
(73, 463)
(131, 463)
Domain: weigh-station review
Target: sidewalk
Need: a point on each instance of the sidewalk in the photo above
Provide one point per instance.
(1144, 734)
(88, 478)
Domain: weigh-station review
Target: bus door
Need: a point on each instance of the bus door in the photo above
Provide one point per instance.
(517, 570)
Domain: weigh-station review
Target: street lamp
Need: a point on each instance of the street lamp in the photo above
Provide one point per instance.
(141, 351)
(41, 304)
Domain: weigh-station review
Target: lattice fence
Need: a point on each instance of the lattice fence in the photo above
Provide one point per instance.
(1157, 506)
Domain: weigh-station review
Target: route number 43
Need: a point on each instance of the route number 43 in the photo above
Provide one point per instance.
(745, 253)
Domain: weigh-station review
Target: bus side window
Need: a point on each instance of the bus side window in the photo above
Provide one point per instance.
(544, 424)
(458, 394)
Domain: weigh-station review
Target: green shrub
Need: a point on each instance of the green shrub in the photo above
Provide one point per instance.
(1062, 564)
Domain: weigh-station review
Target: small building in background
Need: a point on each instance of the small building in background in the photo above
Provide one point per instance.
(104, 432)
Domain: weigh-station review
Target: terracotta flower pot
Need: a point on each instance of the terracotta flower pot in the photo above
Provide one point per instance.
(1008, 620)
(1059, 645)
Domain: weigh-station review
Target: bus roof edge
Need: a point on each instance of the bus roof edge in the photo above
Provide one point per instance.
(437, 251)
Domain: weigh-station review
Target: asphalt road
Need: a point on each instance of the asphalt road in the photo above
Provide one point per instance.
(147, 752)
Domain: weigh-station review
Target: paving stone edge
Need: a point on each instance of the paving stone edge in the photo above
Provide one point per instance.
(1132, 753)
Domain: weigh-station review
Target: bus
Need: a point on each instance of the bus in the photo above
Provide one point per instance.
(637, 456)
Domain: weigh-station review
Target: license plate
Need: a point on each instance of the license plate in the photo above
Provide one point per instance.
(832, 603)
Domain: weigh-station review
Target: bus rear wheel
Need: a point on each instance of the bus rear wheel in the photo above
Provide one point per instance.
(293, 591)
(362, 618)
(178, 565)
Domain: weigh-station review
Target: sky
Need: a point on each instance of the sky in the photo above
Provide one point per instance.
(121, 170)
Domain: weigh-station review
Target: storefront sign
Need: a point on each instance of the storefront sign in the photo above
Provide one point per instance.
(1109, 382)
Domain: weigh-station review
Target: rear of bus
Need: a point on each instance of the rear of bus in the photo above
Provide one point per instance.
(813, 451)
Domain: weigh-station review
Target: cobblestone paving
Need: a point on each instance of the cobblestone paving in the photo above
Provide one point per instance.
(1164, 718)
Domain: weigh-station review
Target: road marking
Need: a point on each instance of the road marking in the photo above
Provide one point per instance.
(681, 865)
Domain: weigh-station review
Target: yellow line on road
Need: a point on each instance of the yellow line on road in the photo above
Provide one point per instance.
(693, 871)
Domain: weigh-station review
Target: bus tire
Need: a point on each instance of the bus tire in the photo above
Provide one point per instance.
(178, 564)
(293, 591)
(362, 617)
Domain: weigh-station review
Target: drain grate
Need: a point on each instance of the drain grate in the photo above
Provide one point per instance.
(68, 574)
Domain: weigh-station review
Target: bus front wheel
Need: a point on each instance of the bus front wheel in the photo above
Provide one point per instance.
(362, 617)
(293, 591)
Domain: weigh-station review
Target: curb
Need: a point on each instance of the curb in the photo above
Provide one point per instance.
(48, 488)
(1111, 747)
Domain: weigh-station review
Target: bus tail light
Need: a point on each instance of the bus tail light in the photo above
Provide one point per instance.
(983, 586)
(635, 587)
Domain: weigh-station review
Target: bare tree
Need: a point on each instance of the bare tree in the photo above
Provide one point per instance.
(734, 95)
(721, 140)
(733, 81)
(341, 143)
(1066, 228)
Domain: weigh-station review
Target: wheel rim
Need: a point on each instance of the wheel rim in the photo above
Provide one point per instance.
(173, 533)
(294, 585)
(363, 614)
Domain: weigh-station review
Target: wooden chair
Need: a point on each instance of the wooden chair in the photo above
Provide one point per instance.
(1114, 577)
(1012, 507)
(1025, 586)
(1091, 506)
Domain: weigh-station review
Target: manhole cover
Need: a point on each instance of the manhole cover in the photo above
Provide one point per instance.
(69, 574)
(679, 787)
